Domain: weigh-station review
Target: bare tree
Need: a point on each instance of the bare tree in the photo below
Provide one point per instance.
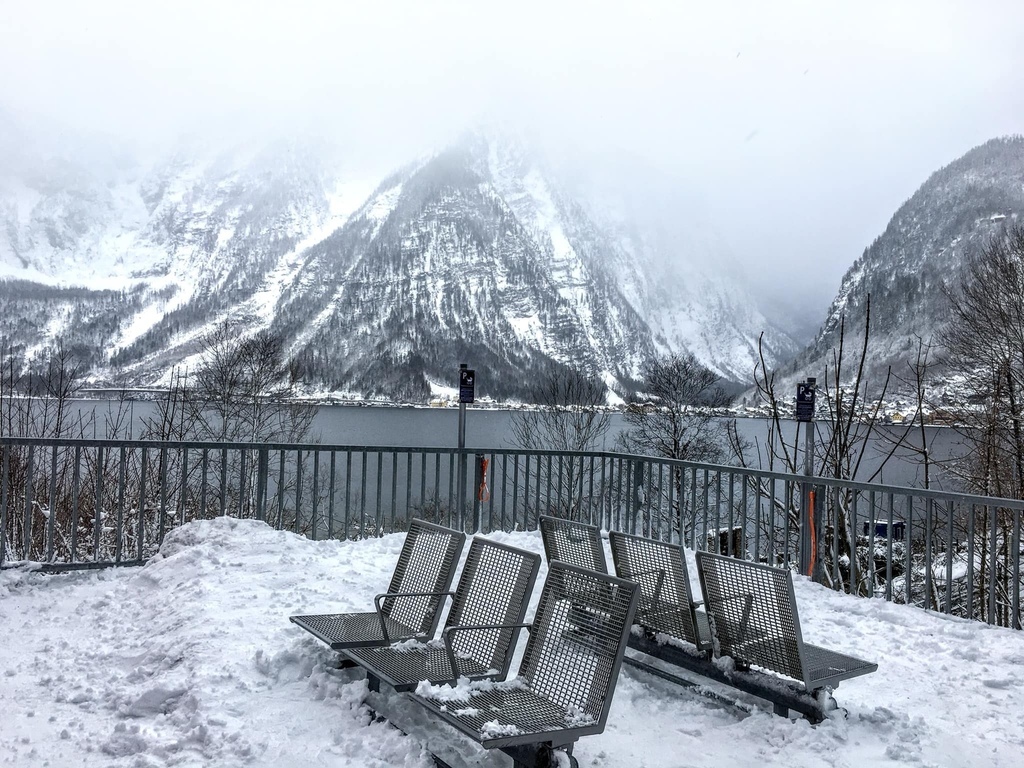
(911, 442)
(242, 391)
(36, 400)
(675, 418)
(844, 428)
(985, 342)
(568, 414)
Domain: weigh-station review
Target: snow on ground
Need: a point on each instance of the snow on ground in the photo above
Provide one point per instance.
(191, 660)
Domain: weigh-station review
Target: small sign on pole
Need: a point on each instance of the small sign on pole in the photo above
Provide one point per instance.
(467, 385)
(805, 400)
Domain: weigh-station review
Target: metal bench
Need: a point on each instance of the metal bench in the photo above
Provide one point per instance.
(753, 613)
(666, 606)
(411, 608)
(566, 678)
(672, 629)
(488, 608)
(572, 542)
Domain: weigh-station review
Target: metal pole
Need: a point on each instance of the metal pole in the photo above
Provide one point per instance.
(461, 496)
(809, 565)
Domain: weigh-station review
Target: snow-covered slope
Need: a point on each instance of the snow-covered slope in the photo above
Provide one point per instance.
(198, 233)
(671, 267)
(191, 660)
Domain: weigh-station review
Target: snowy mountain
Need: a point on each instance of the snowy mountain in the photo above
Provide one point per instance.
(481, 253)
(957, 210)
(199, 235)
(675, 268)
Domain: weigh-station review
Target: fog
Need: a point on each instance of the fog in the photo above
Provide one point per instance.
(794, 129)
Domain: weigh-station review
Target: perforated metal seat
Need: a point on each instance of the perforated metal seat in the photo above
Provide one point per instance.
(488, 608)
(567, 675)
(412, 605)
(572, 542)
(754, 617)
(666, 604)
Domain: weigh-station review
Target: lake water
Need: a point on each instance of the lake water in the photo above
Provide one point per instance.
(492, 428)
(486, 428)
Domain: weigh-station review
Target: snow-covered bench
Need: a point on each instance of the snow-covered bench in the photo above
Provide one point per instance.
(754, 617)
(487, 612)
(411, 608)
(671, 628)
(566, 678)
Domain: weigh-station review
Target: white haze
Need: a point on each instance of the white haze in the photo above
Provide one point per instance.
(794, 128)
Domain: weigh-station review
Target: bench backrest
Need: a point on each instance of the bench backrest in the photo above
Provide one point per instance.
(666, 603)
(494, 588)
(426, 564)
(752, 608)
(577, 640)
(571, 542)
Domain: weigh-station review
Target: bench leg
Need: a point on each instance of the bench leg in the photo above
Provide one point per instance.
(781, 710)
(373, 682)
(538, 756)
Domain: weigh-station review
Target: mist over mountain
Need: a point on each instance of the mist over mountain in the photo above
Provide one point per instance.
(487, 251)
(957, 210)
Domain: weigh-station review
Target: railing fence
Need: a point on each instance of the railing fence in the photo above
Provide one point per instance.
(94, 503)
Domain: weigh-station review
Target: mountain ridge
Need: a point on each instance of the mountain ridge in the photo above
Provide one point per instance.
(954, 212)
(476, 252)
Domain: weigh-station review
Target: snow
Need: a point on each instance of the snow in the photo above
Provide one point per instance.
(342, 202)
(190, 660)
(380, 207)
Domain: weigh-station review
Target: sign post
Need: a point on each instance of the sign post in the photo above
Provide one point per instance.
(809, 524)
(467, 390)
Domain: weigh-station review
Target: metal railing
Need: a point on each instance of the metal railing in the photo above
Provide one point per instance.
(94, 503)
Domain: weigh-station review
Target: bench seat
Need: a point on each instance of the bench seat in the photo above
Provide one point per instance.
(354, 630)
(426, 566)
(505, 717)
(494, 590)
(566, 678)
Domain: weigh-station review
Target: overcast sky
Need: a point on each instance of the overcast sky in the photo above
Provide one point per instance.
(798, 127)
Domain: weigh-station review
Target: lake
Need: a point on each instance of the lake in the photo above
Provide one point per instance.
(492, 428)
(421, 427)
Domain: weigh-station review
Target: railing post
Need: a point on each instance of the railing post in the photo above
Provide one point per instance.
(261, 485)
(5, 471)
(810, 522)
(461, 479)
(26, 526)
(477, 522)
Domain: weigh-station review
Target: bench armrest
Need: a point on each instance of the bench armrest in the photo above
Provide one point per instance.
(660, 573)
(748, 604)
(447, 635)
(383, 596)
